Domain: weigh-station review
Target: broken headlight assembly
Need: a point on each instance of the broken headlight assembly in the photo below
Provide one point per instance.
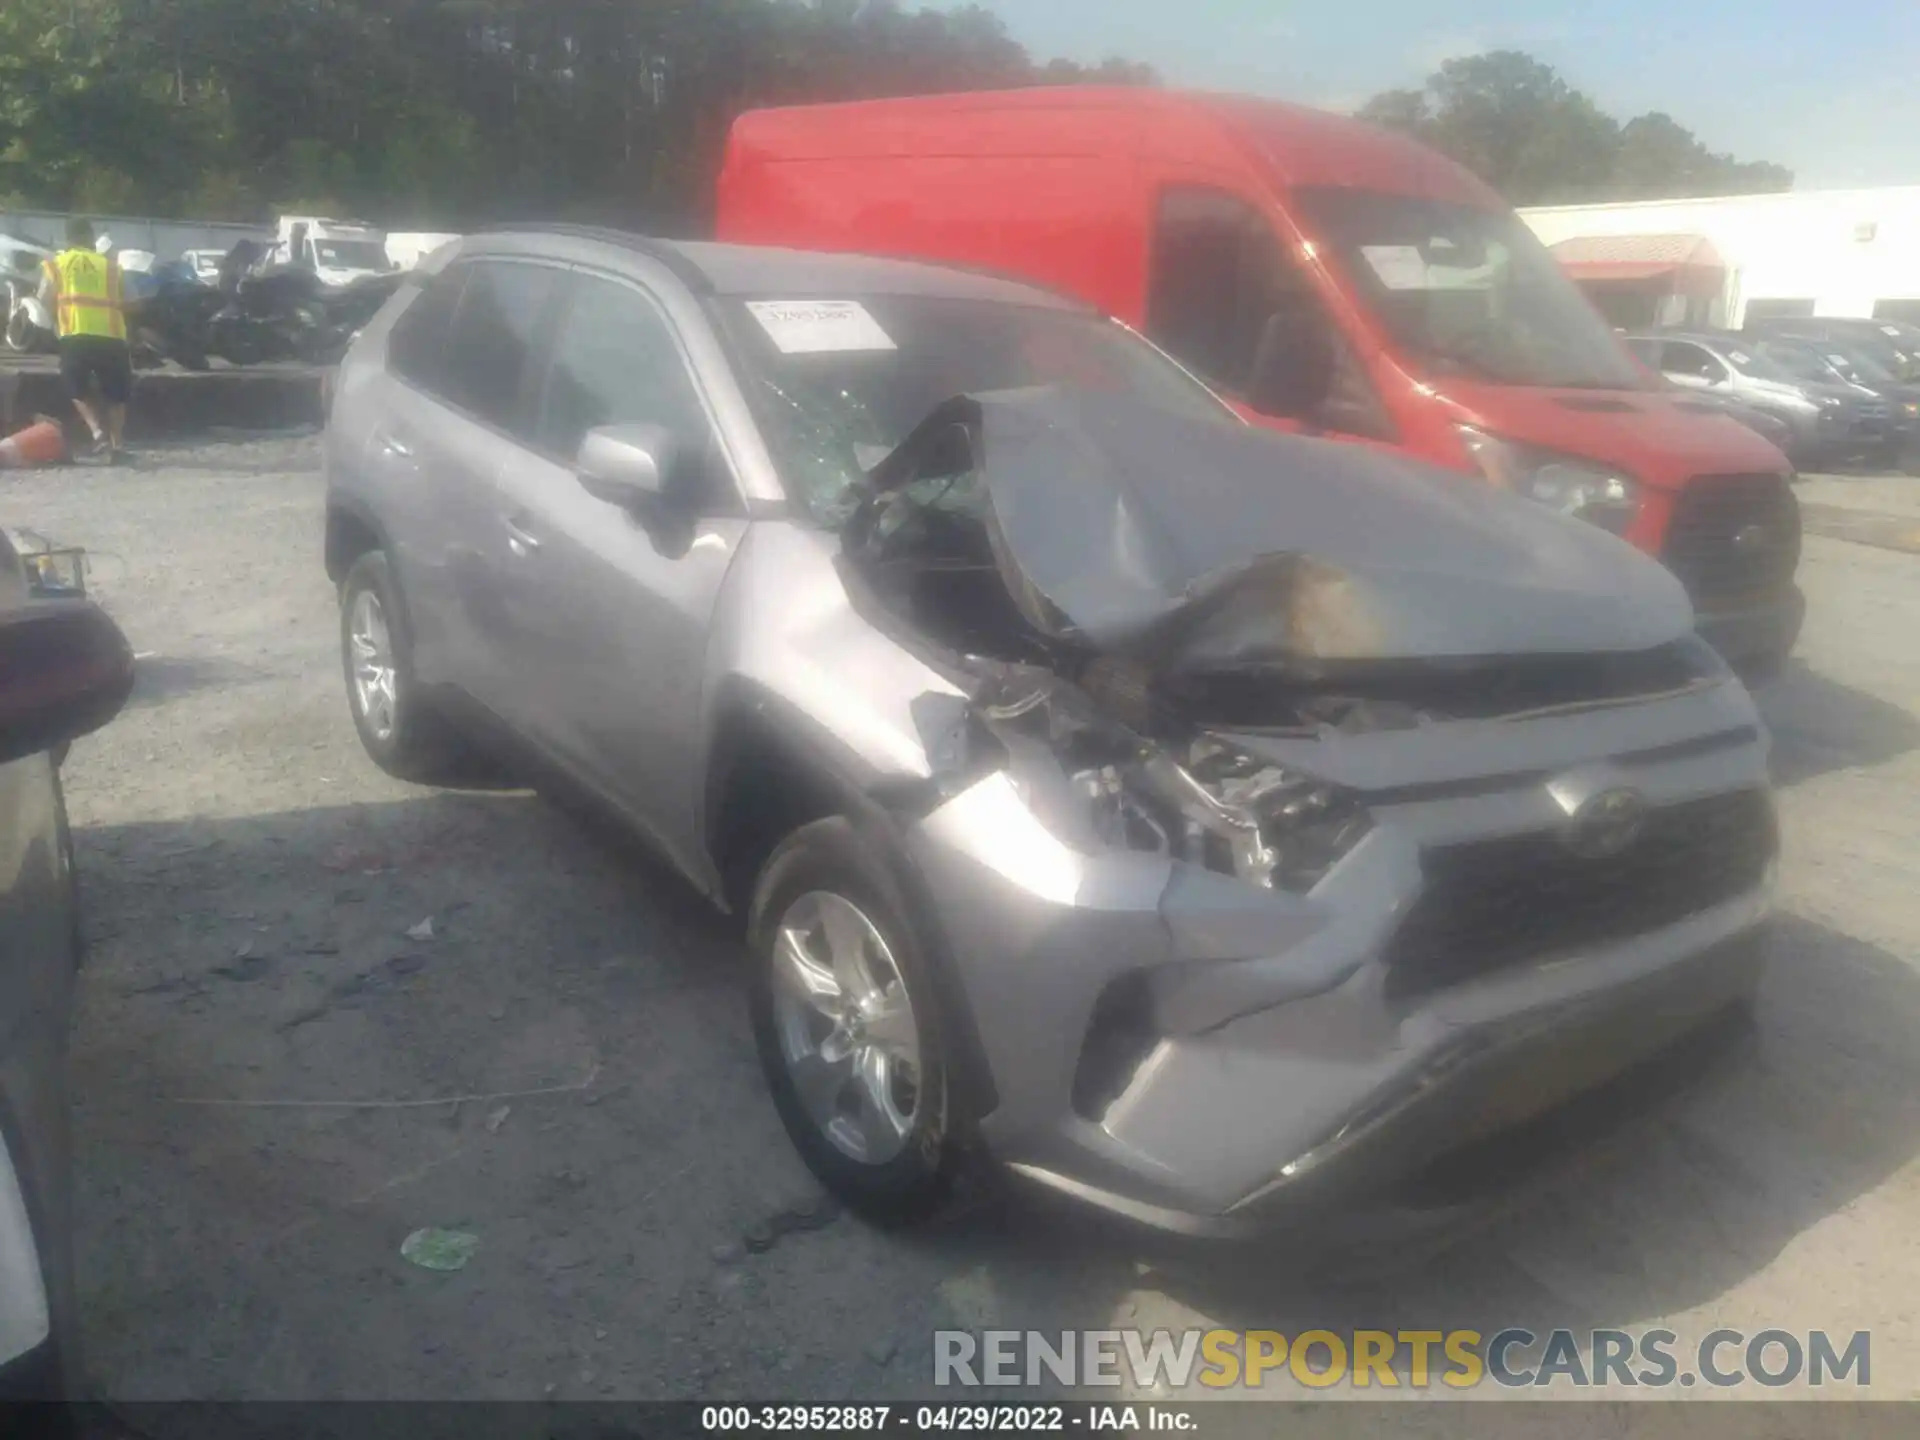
(1217, 806)
(1565, 483)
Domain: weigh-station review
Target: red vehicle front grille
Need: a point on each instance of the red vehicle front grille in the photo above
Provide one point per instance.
(1734, 539)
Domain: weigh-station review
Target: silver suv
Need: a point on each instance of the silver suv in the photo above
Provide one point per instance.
(1827, 419)
(1203, 822)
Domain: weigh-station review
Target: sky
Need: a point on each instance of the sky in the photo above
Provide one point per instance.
(1828, 88)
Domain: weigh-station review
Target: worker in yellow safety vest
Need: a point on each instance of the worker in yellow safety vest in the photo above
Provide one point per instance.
(82, 288)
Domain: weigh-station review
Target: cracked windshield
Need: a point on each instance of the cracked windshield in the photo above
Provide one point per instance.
(901, 716)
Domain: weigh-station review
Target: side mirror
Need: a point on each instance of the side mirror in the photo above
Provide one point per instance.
(636, 467)
(65, 671)
(1293, 368)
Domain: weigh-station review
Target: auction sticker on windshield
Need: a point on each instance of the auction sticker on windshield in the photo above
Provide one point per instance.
(819, 327)
(1400, 267)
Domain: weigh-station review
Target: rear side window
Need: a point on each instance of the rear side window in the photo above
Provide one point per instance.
(417, 348)
(495, 333)
(615, 363)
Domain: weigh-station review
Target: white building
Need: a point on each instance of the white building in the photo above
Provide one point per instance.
(1722, 261)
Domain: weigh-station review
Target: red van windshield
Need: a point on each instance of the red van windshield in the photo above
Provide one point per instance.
(1467, 291)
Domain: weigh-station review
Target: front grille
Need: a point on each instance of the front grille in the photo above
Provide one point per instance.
(1498, 903)
(1367, 696)
(1734, 539)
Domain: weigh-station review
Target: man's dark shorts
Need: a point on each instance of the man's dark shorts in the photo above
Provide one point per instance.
(85, 359)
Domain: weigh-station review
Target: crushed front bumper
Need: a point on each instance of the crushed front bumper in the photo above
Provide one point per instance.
(1281, 1069)
(1472, 1085)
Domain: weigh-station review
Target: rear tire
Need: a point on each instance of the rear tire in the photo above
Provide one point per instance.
(397, 725)
(19, 335)
(860, 1076)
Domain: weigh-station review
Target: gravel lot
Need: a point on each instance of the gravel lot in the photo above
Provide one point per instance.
(276, 1083)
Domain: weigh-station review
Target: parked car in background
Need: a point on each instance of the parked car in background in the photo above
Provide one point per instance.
(1893, 344)
(1772, 428)
(1886, 427)
(1826, 418)
(20, 260)
(1856, 364)
(1328, 276)
(65, 670)
(407, 249)
(28, 323)
(339, 252)
(204, 265)
(1103, 780)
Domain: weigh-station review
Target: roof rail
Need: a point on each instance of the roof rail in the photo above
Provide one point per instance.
(683, 269)
(695, 279)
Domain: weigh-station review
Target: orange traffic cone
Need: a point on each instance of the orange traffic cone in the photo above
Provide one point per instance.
(41, 443)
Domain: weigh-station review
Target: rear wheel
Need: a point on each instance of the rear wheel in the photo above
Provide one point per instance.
(848, 1025)
(20, 336)
(396, 724)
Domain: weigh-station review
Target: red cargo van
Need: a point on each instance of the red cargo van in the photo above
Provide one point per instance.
(1322, 274)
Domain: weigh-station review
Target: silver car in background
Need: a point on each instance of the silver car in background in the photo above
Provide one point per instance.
(1205, 823)
(1827, 419)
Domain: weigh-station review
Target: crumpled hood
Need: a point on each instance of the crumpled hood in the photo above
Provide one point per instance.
(1199, 547)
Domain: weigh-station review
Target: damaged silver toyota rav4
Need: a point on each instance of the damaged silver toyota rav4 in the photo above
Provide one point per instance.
(1202, 822)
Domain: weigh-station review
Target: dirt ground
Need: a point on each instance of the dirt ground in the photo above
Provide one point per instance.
(280, 1074)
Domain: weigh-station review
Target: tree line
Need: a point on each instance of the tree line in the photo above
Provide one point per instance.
(446, 113)
(438, 112)
(1522, 128)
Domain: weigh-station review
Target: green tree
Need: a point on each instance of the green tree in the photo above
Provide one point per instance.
(1657, 157)
(1523, 129)
(442, 112)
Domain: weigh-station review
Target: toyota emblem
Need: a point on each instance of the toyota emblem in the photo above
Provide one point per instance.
(1751, 539)
(1607, 825)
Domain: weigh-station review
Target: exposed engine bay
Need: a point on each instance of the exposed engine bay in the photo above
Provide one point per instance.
(1107, 628)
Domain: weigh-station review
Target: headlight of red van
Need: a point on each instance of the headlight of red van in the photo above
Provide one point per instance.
(1567, 483)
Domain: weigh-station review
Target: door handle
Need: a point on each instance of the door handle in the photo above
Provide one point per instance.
(520, 541)
(394, 448)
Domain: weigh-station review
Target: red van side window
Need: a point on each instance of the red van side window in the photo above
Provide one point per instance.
(1217, 269)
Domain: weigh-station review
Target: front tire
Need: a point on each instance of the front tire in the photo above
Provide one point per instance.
(396, 726)
(847, 1021)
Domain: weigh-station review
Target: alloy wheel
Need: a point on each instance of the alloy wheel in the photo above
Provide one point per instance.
(375, 685)
(846, 1027)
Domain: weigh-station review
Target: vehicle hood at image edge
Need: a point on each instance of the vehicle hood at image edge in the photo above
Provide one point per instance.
(1194, 547)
